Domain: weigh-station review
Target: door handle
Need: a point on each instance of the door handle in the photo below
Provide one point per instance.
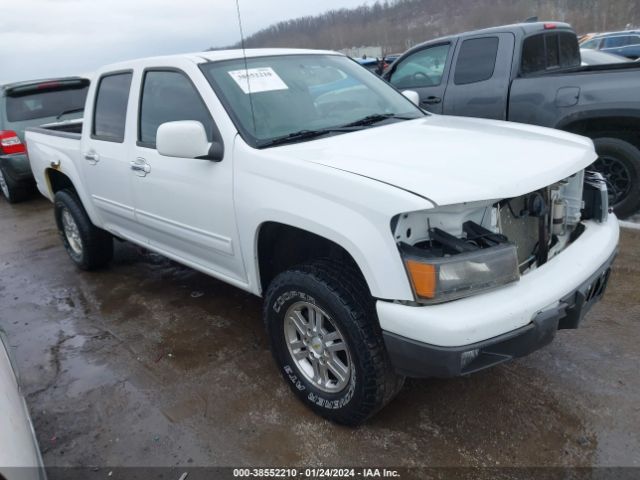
(140, 166)
(431, 100)
(92, 157)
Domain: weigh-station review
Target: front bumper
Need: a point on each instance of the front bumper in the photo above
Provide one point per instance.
(416, 359)
(509, 322)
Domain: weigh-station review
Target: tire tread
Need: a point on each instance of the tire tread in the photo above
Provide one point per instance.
(347, 285)
(97, 244)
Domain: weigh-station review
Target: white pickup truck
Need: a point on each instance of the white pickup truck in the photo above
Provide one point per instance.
(387, 242)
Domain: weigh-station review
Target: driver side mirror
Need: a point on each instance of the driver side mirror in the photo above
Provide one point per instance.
(413, 96)
(187, 139)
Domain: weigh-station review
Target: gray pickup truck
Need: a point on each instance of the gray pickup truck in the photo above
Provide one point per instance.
(532, 73)
(30, 104)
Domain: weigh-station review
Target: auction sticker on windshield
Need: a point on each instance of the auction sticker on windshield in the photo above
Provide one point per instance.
(255, 80)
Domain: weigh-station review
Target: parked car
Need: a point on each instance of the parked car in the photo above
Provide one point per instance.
(383, 245)
(371, 64)
(532, 73)
(626, 43)
(595, 57)
(27, 104)
(20, 457)
(392, 57)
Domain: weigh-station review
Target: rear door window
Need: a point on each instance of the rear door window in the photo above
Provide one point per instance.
(110, 113)
(169, 96)
(614, 42)
(45, 102)
(547, 51)
(476, 60)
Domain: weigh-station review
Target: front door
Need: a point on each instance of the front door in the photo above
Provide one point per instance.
(184, 206)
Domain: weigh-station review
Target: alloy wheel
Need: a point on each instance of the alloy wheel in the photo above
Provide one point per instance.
(71, 232)
(318, 347)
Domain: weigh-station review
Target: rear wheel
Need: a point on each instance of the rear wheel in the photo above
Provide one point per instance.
(11, 190)
(326, 341)
(619, 163)
(88, 246)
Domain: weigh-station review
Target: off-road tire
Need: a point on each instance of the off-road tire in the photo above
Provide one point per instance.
(341, 292)
(628, 155)
(97, 245)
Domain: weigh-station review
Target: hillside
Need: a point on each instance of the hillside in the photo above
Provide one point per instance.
(397, 25)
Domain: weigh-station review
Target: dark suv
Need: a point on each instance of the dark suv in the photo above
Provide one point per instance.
(29, 104)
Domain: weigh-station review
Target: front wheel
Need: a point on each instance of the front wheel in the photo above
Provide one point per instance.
(326, 340)
(88, 246)
(619, 163)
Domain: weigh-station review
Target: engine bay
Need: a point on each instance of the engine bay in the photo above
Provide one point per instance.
(540, 224)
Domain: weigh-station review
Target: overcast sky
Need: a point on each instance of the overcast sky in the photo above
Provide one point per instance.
(43, 38)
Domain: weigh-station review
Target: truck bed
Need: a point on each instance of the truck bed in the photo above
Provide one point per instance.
(53, 147)
(73, 127)
(555, 99)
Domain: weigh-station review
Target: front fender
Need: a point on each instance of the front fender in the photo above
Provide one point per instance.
(349, 210)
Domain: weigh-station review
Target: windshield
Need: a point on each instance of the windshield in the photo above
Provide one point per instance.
(290, 94)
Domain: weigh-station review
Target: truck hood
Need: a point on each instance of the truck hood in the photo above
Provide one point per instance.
(450, 160)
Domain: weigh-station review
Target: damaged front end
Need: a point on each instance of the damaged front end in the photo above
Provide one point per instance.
(454, 251)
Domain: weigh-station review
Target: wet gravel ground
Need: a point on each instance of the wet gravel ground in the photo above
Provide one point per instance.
(149, 363)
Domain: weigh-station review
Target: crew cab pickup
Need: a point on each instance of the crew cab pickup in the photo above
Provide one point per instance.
(386, 241)
(532, 73)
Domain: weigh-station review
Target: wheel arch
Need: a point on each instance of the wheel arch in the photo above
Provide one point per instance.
(56, 181)
(616, 123)
(280, 246)
(61, 180)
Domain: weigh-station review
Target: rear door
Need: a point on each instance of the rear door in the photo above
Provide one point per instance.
(105, 153)
(184, 206)
(479, 82)
(615, 44)
(631, 48)
(424, 71)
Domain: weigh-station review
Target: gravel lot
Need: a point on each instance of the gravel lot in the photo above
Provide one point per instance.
(152, 364)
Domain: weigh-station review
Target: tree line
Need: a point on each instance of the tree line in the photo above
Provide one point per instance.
(399, 24)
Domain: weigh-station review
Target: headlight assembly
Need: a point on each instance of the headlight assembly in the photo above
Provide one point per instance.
(440, 279)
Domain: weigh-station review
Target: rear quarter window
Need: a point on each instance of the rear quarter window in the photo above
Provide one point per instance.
(548, 51)
(44, 104)
(476, 60)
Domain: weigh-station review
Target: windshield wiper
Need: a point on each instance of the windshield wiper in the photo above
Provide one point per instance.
(349, 127)
(375, 118)
(304, 135)
(71, 110)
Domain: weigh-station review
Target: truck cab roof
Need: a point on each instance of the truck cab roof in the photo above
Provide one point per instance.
(523, 29)
(217, 55)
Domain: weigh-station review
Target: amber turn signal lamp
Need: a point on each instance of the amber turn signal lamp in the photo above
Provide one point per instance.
(423, 277)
